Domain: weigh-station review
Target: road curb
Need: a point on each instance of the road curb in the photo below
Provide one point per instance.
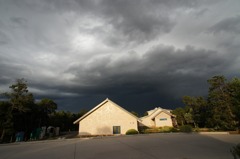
(214, 133)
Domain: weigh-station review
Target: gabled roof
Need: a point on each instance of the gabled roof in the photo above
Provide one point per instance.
(158, 110)
(170, 114)
(98, 106)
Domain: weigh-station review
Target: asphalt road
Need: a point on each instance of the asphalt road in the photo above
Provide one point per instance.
(154, 146)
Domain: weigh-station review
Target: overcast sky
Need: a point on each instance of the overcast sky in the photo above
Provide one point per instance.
(141, 54)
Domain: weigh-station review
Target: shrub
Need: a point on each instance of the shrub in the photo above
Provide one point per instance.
(131, 132)
(166, 129)
(174, 129)
(152, 130)
(186, 128)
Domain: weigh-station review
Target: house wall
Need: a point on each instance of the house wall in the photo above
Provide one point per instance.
(161, 123)
(147, 121)
(102, 120)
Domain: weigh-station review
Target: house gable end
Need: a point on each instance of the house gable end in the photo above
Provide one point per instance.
(105, 118)
(100, 105)
(163, 119)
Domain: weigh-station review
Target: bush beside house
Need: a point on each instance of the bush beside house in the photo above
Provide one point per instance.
(165, 129)
(131, 132)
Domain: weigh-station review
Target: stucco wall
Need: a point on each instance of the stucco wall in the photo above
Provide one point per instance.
(147, 121)
(161, 123)
(156, 122)
(102, 120)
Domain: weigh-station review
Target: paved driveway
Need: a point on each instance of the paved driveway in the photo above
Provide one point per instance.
(162, 146)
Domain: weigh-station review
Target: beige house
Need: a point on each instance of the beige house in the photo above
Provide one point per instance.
(107, 118)
(158, 117)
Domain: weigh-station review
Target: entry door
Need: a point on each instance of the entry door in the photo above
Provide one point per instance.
(116, 130)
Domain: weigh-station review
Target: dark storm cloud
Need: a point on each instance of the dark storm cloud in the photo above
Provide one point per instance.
(161, 75)
(4, 81)
(138, 53)
(158, 69)
(163, 71)
(136, 20)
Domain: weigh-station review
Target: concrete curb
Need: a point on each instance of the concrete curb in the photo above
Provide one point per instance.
(214, 133)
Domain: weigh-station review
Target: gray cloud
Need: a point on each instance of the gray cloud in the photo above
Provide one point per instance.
(19, 21)
(3, 38)
(158, 69)
(229, 25)
(138, 53)
(164, 73)
(128, 21)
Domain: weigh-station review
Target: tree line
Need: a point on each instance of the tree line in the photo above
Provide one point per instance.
(220, 110)
(20, 112)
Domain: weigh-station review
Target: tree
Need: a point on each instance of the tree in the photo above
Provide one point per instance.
(47, 107)
(65, 119)
(19, 96)
(189, 117)
(219, 99)
(221, 110)
(234, 91)
(180, 112)
(24, 113)
(20, 112)
(21, 104)
(196, 110)
(5, 119)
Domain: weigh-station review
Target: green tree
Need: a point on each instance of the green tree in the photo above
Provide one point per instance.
(21, 106)
(65, 119)
(189, 117)
(6, 124)
(196, 110)
(19, 97)
(221, 110)
(219, 103)
(20, 112)
(46, 108)
(234, 91)
(180, 112)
